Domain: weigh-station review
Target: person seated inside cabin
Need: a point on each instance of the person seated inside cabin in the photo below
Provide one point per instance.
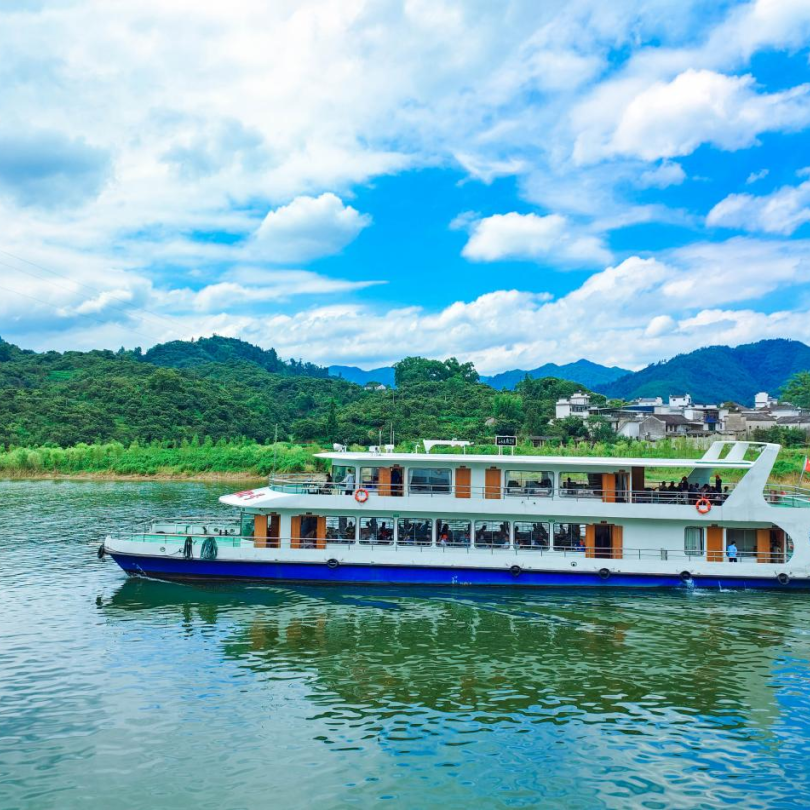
(502, 538)
(481, 536)
(326, 487)
(569, 484)
(580, 545)
(444, 535)
(513, 487)
(385, 535)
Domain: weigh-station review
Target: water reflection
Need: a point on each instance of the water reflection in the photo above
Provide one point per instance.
(139, 694)
(500, 657)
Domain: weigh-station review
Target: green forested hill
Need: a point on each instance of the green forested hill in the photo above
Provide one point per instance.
(217, 349)
(228, 389)
(718, 373)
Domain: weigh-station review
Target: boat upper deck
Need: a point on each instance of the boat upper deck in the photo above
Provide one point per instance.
(370, 459)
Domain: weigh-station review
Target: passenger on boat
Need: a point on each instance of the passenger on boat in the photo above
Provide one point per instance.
(396, 481)
(731, 552)
(444, 535)
(348, 482)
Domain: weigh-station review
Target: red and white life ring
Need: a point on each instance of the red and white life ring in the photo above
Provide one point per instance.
(361, 495)
(704, 506)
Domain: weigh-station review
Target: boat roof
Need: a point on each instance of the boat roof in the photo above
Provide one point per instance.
(534, 461)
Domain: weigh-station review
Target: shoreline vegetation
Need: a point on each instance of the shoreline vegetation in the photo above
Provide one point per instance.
(245, 460)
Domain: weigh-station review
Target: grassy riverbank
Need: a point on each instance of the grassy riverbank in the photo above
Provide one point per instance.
(247, 459)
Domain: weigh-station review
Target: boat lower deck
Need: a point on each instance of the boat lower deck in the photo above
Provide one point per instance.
(332, 572)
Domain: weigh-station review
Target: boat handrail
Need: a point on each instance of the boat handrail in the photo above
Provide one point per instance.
(310, 486)
(304, 544)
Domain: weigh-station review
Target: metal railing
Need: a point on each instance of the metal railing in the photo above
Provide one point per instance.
(514, 547)
(306, 485)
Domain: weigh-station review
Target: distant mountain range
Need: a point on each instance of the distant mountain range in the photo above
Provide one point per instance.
(384, 375)
(717, 373)
(714, 374)
(589, 374)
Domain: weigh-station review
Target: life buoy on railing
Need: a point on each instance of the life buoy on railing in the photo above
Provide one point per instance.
(704, 506)
(361, 495)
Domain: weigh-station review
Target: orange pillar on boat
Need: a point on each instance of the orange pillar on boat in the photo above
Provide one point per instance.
(273, 530)
(764, 546)
(320, 532)
(590, 540)
(295, 531)
(714, 544)
(617, 542)
(463, 478)
(492, 482)
(260, 531)
(384, 481)
(609, 487)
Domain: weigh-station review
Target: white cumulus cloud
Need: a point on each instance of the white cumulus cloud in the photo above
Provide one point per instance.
(783, 211)
(534, 238)
(307, 228)
(671, 119)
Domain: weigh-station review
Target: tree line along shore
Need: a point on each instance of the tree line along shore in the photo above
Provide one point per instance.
(247, 459)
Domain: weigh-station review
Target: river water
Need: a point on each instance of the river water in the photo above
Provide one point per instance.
(138, 694)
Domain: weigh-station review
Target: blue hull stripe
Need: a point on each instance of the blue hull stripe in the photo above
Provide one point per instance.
(176, 568)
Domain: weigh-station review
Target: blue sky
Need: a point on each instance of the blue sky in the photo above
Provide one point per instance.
(351, 182)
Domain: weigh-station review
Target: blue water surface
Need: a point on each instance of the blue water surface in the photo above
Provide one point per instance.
(140, 694)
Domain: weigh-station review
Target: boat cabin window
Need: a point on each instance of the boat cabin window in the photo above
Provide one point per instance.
(491, 534)
(377, 531)
(452, 532)
(369, 478)
(569, 537)
(341, 528)
(580, 485)
(693, 541)
(532, 535)
(344, 476)
(414, 532)
(529, 482)
(430, 480)
(745, 540)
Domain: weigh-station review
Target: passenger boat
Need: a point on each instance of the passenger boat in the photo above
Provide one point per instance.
(428, 518)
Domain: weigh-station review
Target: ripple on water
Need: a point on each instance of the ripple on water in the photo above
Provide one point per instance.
(146, 694)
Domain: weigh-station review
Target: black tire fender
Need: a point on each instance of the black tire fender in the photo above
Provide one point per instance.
(332, 563)
(782, 578)
(686, 576)
(604, 573)
(515, 571)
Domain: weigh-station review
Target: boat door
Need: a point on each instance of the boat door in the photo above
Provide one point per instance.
(603, 540)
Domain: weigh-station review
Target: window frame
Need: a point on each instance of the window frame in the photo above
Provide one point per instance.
(439, 522)
(340, 540)
(388, 520)
(575, 548)
(430, 489)
(416, 543)
(498, 525)
(691, 552)
(523, 488)
(546, 524)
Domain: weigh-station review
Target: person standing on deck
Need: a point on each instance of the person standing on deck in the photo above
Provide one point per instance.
(731, 552)
(348, 482)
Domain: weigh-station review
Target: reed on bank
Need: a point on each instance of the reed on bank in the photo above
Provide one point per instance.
(245, 458)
